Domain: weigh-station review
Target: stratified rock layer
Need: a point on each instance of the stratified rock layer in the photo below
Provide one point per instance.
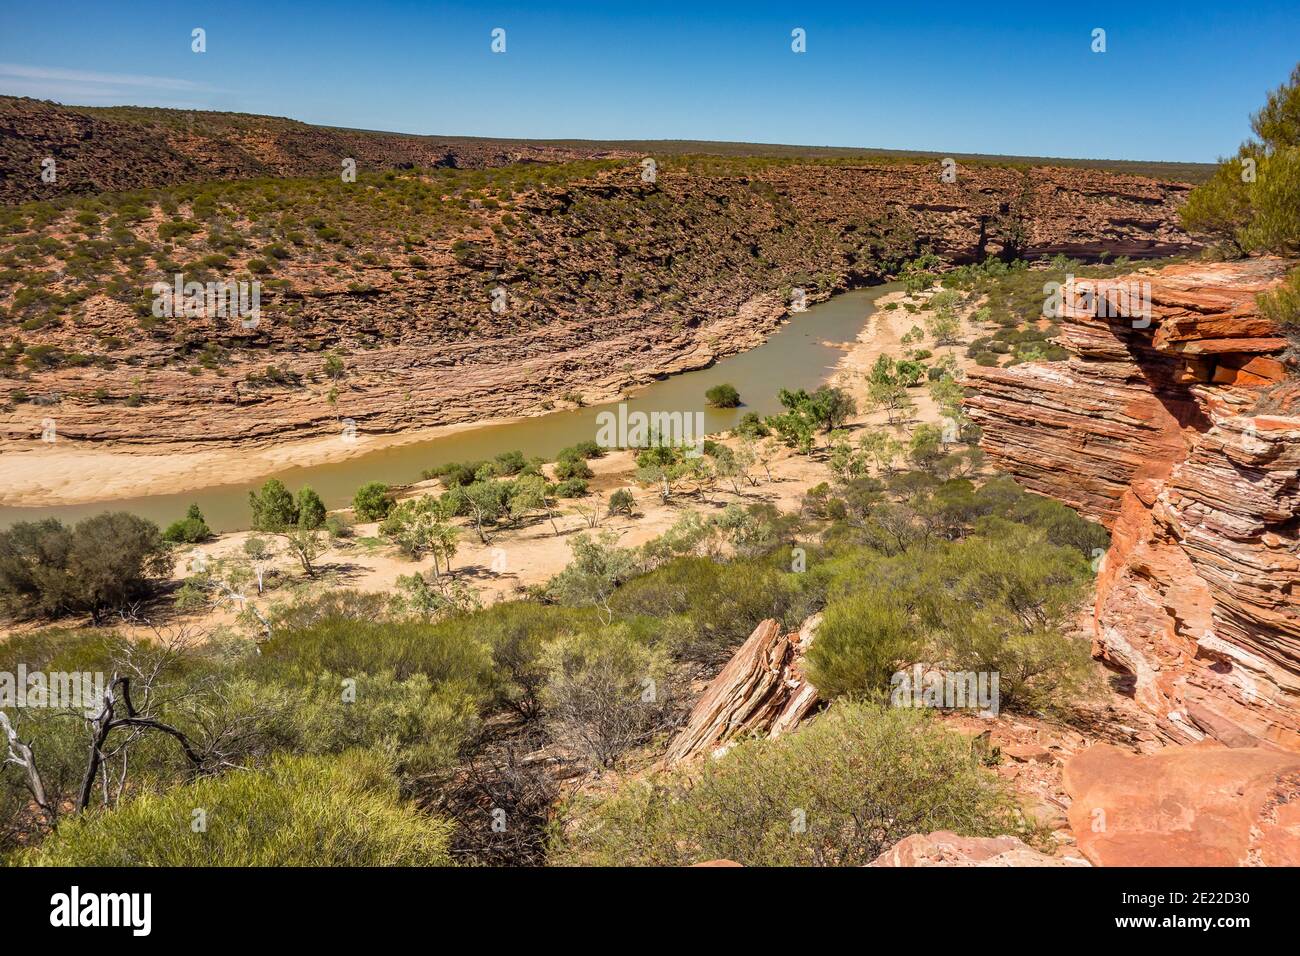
(761, 691)
(1151, 428)
(944, 848)
(609, 281)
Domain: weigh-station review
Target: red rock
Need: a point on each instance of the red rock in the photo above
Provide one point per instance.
(1265, 368)
(1026, 753)
(1197, 805)
(1196, 597)
(944, 848)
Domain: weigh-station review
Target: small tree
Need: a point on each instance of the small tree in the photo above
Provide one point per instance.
(273, 507)
(925, 447)
(527, 495)
(258, 553)
(598, 567)
(723, 396)
(488, 501)
(418, 526)
(305, 545)
(311, 510)
(372, 501)
(1250, 202)
(333, 367)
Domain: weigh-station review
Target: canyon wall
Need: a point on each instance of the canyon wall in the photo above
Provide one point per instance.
(610, 282)
(1180, 432)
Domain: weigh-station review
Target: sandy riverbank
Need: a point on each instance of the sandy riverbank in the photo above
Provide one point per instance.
(518, 558)
(515, 559)
(67, 472)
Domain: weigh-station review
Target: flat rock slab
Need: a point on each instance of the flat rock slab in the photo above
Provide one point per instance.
(1198, 805)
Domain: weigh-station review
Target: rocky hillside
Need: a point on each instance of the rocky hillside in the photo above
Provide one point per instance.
(602, 280)
(1181, 434)
(120, 148)
(100, 149)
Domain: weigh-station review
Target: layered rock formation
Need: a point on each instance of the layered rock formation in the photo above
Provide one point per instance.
(761, 692)
(609, 282)
(1155, 426)
(1199, 805)
(944, 848)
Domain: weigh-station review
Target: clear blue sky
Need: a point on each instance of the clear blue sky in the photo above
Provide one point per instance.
(1177, 82)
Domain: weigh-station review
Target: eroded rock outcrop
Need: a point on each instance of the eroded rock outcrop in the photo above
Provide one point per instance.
(1152, 427)
(1200, 805)
(610, 281)
(761, 692)
(944, 848)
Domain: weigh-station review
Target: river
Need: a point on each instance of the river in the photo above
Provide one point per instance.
(795, 356)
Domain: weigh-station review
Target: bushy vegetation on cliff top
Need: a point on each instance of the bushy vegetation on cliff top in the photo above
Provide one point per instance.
(910, 566)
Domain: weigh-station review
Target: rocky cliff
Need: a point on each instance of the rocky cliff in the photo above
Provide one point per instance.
(1174, 426)
(608, 280)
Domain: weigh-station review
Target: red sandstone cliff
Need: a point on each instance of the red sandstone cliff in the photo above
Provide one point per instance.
(1153, 427)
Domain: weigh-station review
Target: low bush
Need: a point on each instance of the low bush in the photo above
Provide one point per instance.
(839, 792)
(189, 530)
(300, 811)
(100, 564)
(372, 501)
(723, 396)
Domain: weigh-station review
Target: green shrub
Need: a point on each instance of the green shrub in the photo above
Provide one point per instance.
(571, 488)
(189, 530)
(606, 691)
(339, 643)
(301, 811)
(621, 502)
(752, 427)
(720, 604)
(338, 526)
(272, 506)
(509, 463)
(572, 467)
(311, 510)
(100, 564)
(1282, 304)
(839, 792)
(372, 501)
(455, 473)
(516, 633)
(723, 396)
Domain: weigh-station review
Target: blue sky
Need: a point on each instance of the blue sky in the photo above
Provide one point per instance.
(1177, 81)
